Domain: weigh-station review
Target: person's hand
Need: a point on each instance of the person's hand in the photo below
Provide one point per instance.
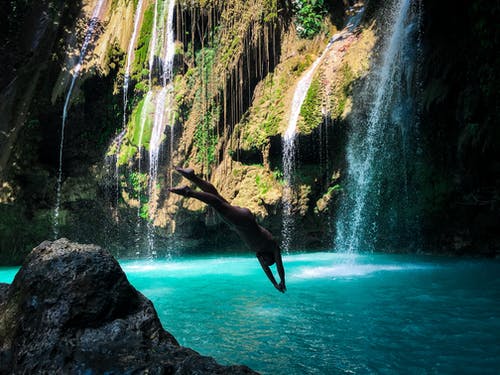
(281, 287)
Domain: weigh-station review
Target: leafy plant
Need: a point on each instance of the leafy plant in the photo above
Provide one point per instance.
(309, 17)
(262, 185)
(138, 182)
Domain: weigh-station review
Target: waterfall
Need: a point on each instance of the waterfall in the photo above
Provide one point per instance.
(143, 120)
(162, 116)
(289, 138)
(118, 140)
(381, 151)
(168, 57)
(76, 72)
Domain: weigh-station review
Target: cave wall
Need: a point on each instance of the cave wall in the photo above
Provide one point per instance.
(236, 67)
(459, 122)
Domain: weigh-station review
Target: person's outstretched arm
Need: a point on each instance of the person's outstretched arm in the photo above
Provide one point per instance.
(269, 274)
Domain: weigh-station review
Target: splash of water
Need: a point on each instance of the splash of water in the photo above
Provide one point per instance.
(380, 143)
(94, 20)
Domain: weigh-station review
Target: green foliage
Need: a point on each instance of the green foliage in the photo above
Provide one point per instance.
(278, 176)
(127, 152)
(205, 135)
(205, 138)
(144, 211)
(262, 185)
(141, 121)
(116, 57)
(270, 10)
(142, 49)
(130, 146)
(138, 182)
(311, 108)
(204, 61)
(141, 87)
(267, 113)
(309, 17)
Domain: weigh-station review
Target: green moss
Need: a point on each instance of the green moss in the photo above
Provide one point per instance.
(310, 111)
(266, 114)
(342, 91)
(262, 185)
(130, 146)
(144, 211)
(140, 115)
(138, 183)
(301, 65)
(141, 54)
(208, 110)
(127, 152)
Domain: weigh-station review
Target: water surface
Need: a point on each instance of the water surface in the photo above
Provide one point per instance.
(361, 314)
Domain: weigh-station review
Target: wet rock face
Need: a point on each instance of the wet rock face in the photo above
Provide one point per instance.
(71, 309)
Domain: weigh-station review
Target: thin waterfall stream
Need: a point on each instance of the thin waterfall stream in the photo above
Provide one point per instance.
(76, 72)
(289, 138)
(116, 143)
(162, 117)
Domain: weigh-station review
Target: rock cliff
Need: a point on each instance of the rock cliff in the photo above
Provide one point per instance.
(72, 310)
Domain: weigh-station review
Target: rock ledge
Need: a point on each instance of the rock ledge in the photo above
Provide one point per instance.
(72, 310)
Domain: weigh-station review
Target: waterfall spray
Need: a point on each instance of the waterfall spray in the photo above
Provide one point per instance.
(381, 142)
(76, 72)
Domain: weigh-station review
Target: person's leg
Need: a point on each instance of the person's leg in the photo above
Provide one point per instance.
(232, 215)
(211, 199)
(205, 186)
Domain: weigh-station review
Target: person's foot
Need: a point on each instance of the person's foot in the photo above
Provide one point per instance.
(186, 172)
(181, 190)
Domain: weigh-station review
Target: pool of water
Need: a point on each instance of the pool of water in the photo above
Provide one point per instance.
(388, 314)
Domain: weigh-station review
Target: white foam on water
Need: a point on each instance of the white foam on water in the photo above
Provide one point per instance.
(350, 270)
(315, 257)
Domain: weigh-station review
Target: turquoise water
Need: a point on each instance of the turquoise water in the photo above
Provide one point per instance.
(360, 314)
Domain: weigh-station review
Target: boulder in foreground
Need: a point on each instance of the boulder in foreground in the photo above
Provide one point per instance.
(72, 310)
